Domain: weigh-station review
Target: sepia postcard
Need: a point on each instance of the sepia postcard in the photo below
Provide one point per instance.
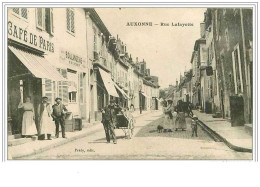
(129, 83)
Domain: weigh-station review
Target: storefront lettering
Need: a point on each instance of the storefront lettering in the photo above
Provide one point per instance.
(71, 58)
(37, 41)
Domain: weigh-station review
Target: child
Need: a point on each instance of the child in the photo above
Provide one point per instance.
(194, 126)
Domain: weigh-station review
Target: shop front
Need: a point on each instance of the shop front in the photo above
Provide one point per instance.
(73, 91)
(105, 90)
(29, 75)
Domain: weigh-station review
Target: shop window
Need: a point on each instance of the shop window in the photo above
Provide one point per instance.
(21, 12)
(44, 19)
(72, 85)
(70, 20)
(237, 73)
(72, 97)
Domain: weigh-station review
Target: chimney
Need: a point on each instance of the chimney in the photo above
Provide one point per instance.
(202, 30)
(136, 59)
(117, 36)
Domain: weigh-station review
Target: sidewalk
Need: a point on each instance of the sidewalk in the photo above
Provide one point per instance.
(235, 137)
(38, 146)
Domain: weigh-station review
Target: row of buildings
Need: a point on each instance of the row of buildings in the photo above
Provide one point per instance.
(70, 53)
(220, 81)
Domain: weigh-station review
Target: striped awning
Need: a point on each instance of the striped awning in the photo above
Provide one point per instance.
(108, 82)
(121, 91)
(37, 65)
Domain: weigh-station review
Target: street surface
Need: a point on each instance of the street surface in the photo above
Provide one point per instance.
(146, 143)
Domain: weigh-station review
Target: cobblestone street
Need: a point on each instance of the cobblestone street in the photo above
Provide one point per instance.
(146, 144)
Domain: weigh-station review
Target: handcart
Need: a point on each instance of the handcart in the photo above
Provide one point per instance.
(126, 124)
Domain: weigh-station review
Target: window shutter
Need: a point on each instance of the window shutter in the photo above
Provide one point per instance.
(63, 87)
(48, 89)
(47, 20)
(51, 21)
(72, 21)
(24, 13)
(16, 10)
(68, 19)
(39, 20)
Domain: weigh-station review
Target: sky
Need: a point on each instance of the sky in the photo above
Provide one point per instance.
(167, 50)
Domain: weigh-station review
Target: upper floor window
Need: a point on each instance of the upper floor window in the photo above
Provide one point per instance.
(70, 20)
(22, 12)
(44, 19)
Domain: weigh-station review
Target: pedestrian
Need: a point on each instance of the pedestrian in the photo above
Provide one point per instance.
(168, 117)
(108, 115)
(46, 124)
(194, 126)
(28, 122)
(180, 119)
(140, 109)
(59, 112)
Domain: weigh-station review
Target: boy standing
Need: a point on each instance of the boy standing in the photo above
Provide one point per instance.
(194, 126)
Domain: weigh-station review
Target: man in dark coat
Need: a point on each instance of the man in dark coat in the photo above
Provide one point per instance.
(108, 115)
(59, 111)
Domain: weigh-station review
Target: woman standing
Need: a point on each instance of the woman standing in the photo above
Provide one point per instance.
(28, 123)
(168, 119)
(46, 124)
(180, 120)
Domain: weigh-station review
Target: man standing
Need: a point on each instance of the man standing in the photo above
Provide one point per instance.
(59, 111)
(107, 120)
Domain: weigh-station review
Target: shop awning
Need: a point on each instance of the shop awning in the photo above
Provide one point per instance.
(37, 65)
(145, 95)
(121, 91)
(109, 84)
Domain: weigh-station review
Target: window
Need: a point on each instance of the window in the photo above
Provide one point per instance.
(73, 78)
(21, 12)
(70, 20)
(44, 19)
(72, 97)
(237, 73)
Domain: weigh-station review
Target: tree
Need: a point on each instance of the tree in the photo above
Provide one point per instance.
(162, 93)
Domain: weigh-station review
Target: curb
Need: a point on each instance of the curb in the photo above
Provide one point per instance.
(224, 140)
(34, 152)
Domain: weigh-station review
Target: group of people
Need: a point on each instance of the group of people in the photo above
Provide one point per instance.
(48, 117)
(174, 116)
(109, 119)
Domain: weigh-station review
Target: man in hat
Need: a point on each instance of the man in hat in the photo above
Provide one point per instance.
(59, 111)
(107, 120)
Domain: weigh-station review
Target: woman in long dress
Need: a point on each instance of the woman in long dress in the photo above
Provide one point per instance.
(180, 120)
(28, 123)
(168, 119)
(46, 123)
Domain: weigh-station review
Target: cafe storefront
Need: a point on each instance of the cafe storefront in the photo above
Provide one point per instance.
(29, 72)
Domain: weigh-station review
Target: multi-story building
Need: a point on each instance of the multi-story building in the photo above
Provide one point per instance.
(42, 60)
(232, 30)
